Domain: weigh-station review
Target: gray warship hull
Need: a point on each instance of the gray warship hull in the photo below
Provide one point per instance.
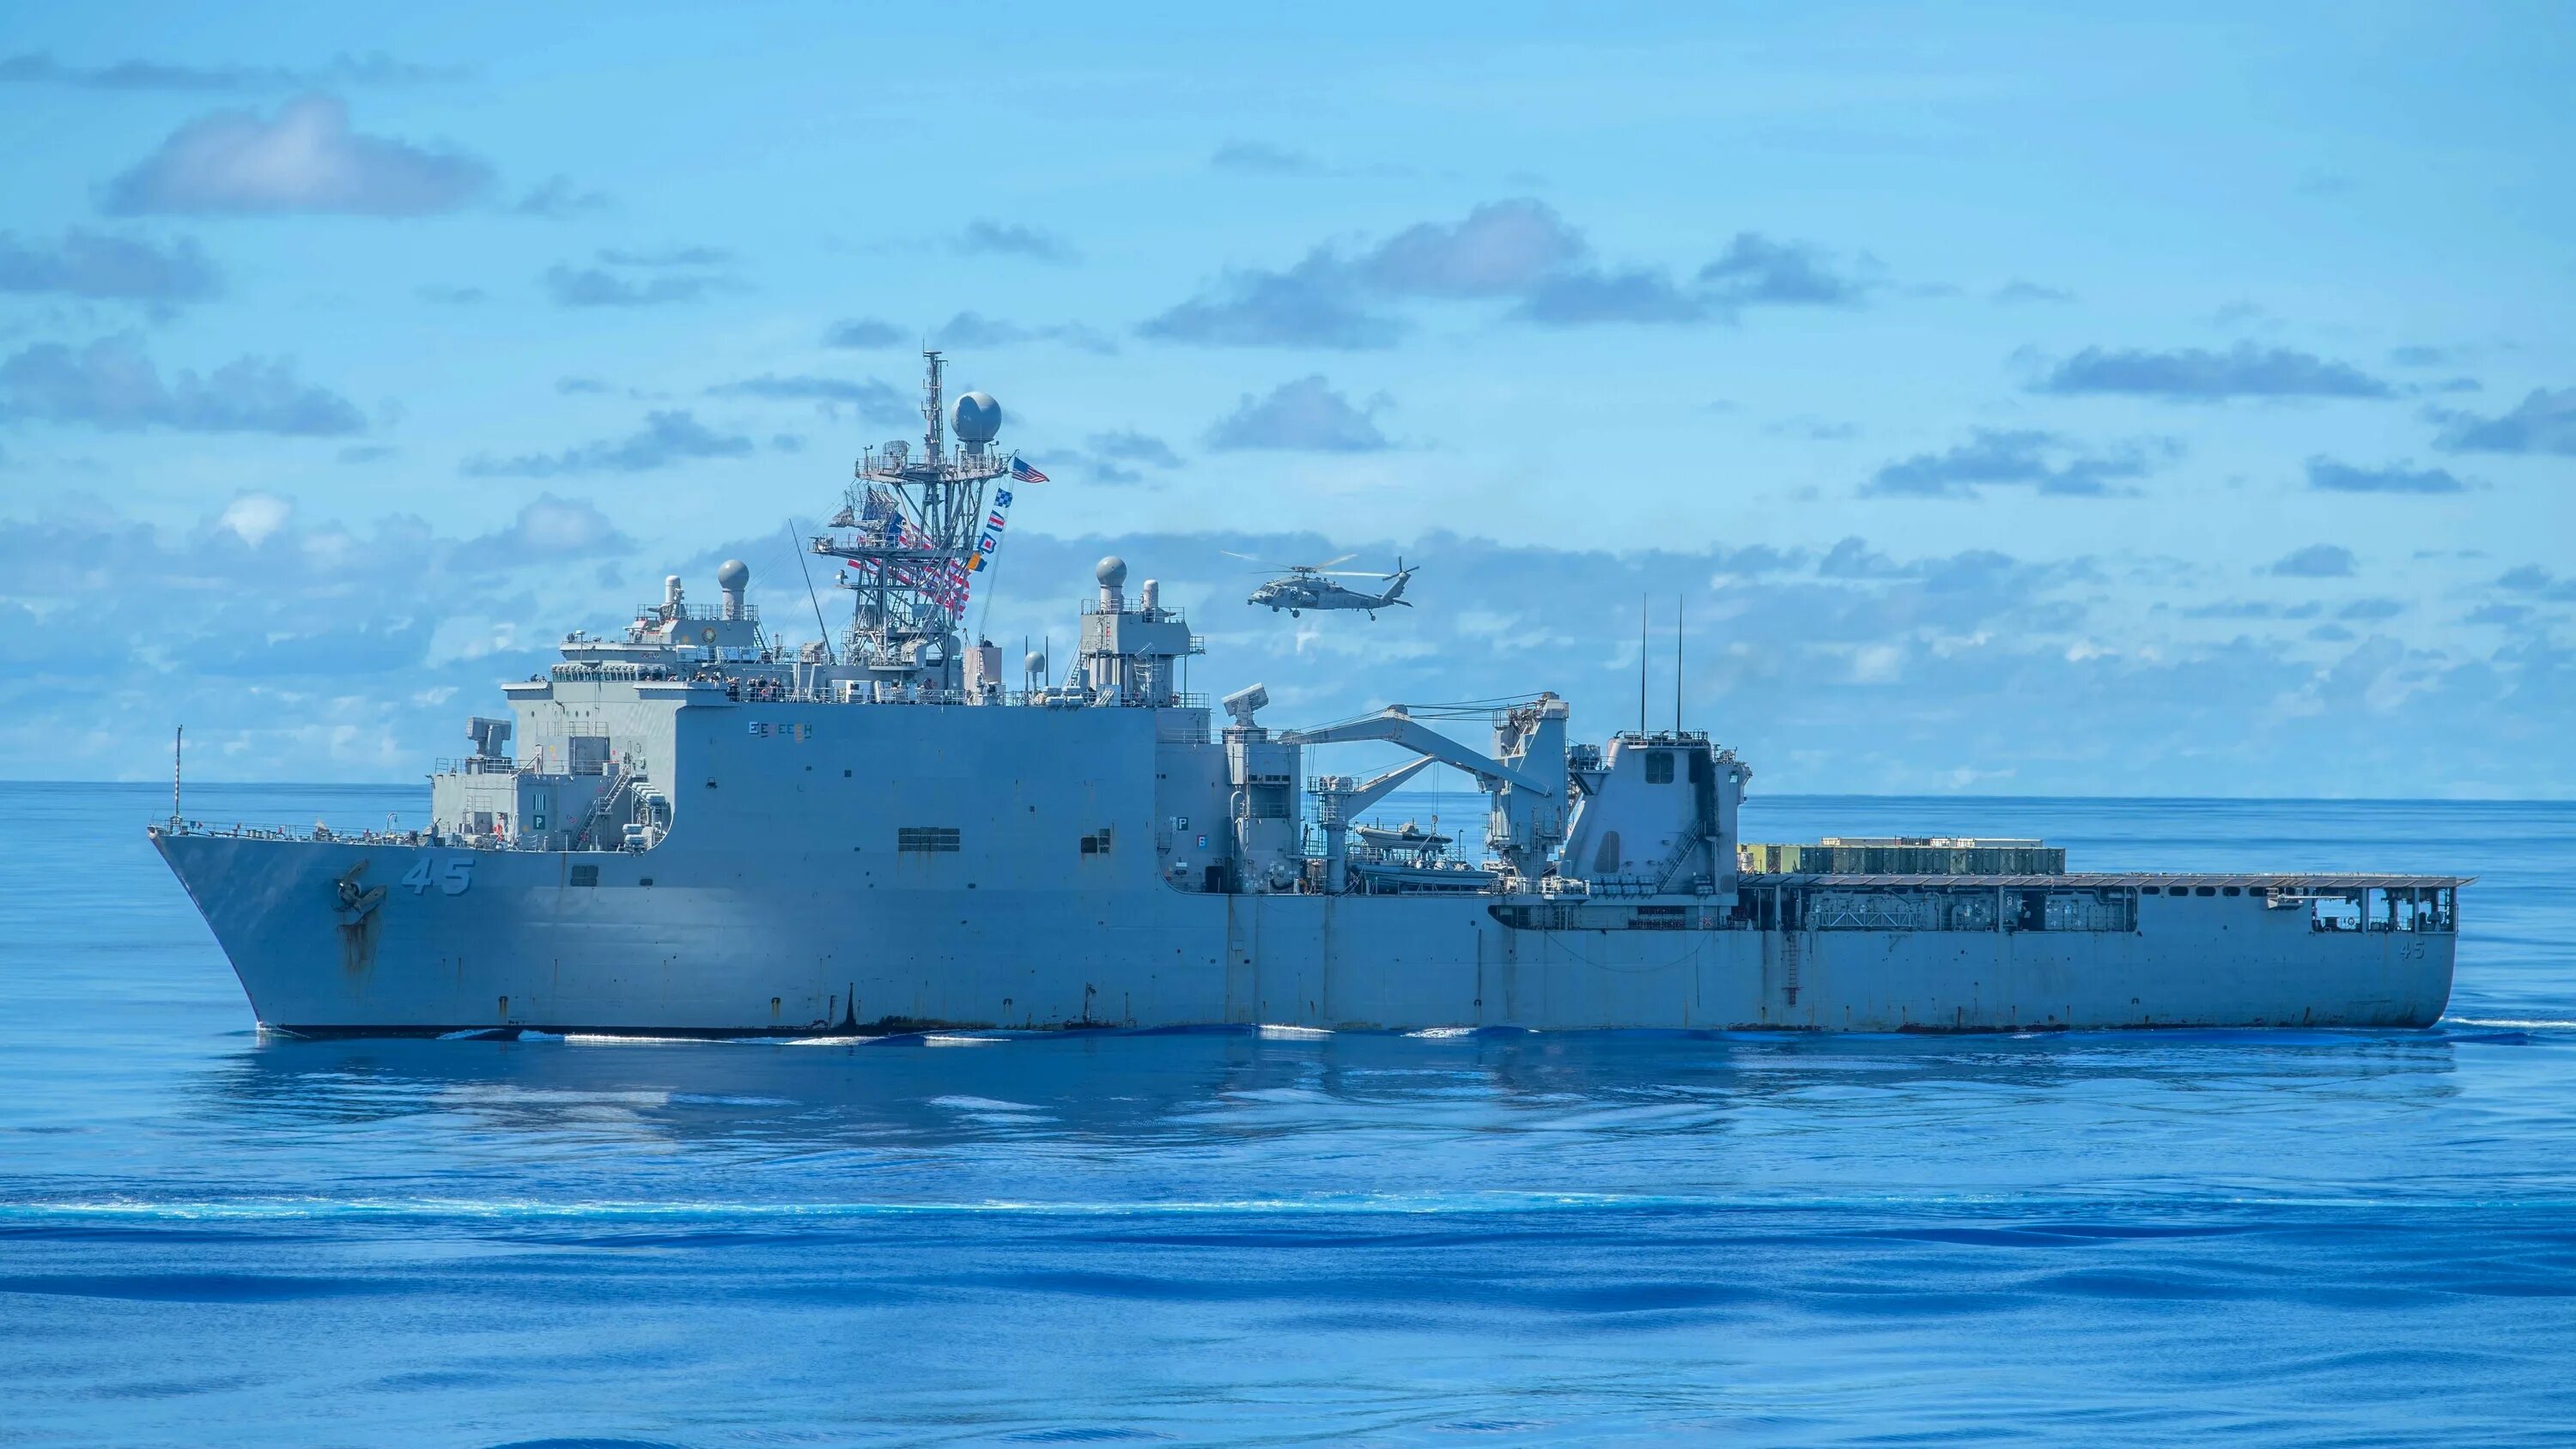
(705, 832)
(779, 903)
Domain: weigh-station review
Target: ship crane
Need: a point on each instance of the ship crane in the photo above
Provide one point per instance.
(1338, 798)
(1396, 726)
(1526, 784)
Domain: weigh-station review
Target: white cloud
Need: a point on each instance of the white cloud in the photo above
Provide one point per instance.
(254, 516)
(306, 158)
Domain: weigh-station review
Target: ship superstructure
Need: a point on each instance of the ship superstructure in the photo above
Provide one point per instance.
(690, 827)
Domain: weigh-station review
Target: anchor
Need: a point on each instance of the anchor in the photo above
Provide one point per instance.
(356, 904)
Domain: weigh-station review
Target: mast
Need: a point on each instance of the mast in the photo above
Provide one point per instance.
(905, 534)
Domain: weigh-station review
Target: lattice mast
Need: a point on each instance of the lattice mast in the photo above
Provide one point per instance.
(905, 532)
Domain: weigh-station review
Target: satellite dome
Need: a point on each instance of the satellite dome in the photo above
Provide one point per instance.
(1112, 572)
(1035, 663)
(733, 573)
(978, 417)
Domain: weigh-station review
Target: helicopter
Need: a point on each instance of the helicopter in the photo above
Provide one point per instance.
(1311, 586)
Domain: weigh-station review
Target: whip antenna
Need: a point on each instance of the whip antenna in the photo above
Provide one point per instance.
(810, 596)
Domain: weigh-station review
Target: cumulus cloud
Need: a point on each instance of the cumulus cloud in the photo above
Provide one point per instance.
(304, 159)
(2334, 477)
(1260, 158)
(1130, 446)
(1517, 250)
(2195, 374)
(1312, 304)
(557, 197)
(667, 437)
(110, 383)
(1812, 429)
(99, 265)
(863, 332)
(2241, 609)
(670, 256)
(639, 277)
(1758, 271)
(548, 529)
(594, 287)
(293, 646)
(2539, 582)
(2017, 292)
(2316, 561)
(1304, 416)
(2041, 461)
(1890, 675)
(2543, 422)
(1011, 239)
(1638, 294)
(1497, 249)
(1108, 457)
(372, 68)
(1889, 671)
(977, 331)
(867, 398)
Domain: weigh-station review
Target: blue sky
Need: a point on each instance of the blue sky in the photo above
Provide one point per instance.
(2153, 400)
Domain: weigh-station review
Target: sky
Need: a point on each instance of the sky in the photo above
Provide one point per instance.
(2103, 400)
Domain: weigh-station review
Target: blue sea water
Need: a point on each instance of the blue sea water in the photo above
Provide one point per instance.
(2281, 1237)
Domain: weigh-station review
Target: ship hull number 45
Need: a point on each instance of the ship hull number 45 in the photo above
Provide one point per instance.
(453, 875)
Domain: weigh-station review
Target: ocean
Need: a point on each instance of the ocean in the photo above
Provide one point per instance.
(2276, 1237)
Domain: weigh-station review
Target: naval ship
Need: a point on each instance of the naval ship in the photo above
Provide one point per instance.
(685, 827)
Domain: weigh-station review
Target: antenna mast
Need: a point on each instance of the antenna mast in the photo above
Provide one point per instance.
(911, 524)
(1642, 601)
(1677, 664)
(810, 596)
(178, 747)
(931, 387)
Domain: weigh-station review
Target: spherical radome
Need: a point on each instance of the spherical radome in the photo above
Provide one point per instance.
(733, 573)
(978, 417)
(1035, 663)
(1112, 572)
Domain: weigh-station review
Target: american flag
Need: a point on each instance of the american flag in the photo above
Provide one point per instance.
(1024, 473)
(943, 582)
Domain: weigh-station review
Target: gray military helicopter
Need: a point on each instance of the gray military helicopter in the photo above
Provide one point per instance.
(1311, 586)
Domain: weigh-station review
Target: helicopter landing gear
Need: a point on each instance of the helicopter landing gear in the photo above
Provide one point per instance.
(1292, 613)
